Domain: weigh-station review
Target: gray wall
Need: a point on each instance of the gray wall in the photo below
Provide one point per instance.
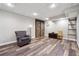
(59, 25)
(10, 22)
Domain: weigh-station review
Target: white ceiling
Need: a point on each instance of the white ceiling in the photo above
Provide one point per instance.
(43, 9)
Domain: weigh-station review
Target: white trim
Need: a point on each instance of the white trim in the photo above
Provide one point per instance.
(70, 39)
(6, 43)
(77, 43)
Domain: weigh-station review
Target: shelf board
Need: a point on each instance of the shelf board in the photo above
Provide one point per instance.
(71, 29)
(72, 19)
(71, 24)
(72, 34)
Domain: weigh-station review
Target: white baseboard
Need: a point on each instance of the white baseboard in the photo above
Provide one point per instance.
(70, 39)
(77, 44)
(6, 43)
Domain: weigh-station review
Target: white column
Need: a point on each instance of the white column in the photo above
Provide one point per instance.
(78, 30)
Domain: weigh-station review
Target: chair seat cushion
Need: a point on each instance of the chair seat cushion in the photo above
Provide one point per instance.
(24, 38)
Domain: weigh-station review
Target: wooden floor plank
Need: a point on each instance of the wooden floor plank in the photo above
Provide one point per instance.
(43, 47)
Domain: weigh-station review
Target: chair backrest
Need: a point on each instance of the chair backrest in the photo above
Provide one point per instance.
(60, 33)
(20, 33)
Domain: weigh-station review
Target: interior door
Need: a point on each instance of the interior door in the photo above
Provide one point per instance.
(42, 29)
(39, 28)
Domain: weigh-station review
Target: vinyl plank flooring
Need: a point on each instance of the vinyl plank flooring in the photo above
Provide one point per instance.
(46, 49)
(43, 47)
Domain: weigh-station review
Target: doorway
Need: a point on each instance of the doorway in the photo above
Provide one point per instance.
(39, 28)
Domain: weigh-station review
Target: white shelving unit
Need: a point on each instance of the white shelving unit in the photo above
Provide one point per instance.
(72, 31)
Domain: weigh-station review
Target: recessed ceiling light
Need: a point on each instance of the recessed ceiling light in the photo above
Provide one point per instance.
(46, 18)
(9, 4)
(52, 5)
(35, 14)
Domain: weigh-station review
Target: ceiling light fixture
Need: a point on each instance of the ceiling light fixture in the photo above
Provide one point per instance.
(10, 4)
(35, 14)
(52, 5)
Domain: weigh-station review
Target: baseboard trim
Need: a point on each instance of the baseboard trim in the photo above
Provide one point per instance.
(70, 39)
(78, 44)
(6, 43)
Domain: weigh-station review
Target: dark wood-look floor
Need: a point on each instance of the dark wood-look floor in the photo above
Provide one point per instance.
(43, 47)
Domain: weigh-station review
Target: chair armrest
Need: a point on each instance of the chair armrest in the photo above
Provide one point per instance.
(18, 37)
(26, 36)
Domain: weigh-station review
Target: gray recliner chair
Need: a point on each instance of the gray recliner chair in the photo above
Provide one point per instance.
(22, 38)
